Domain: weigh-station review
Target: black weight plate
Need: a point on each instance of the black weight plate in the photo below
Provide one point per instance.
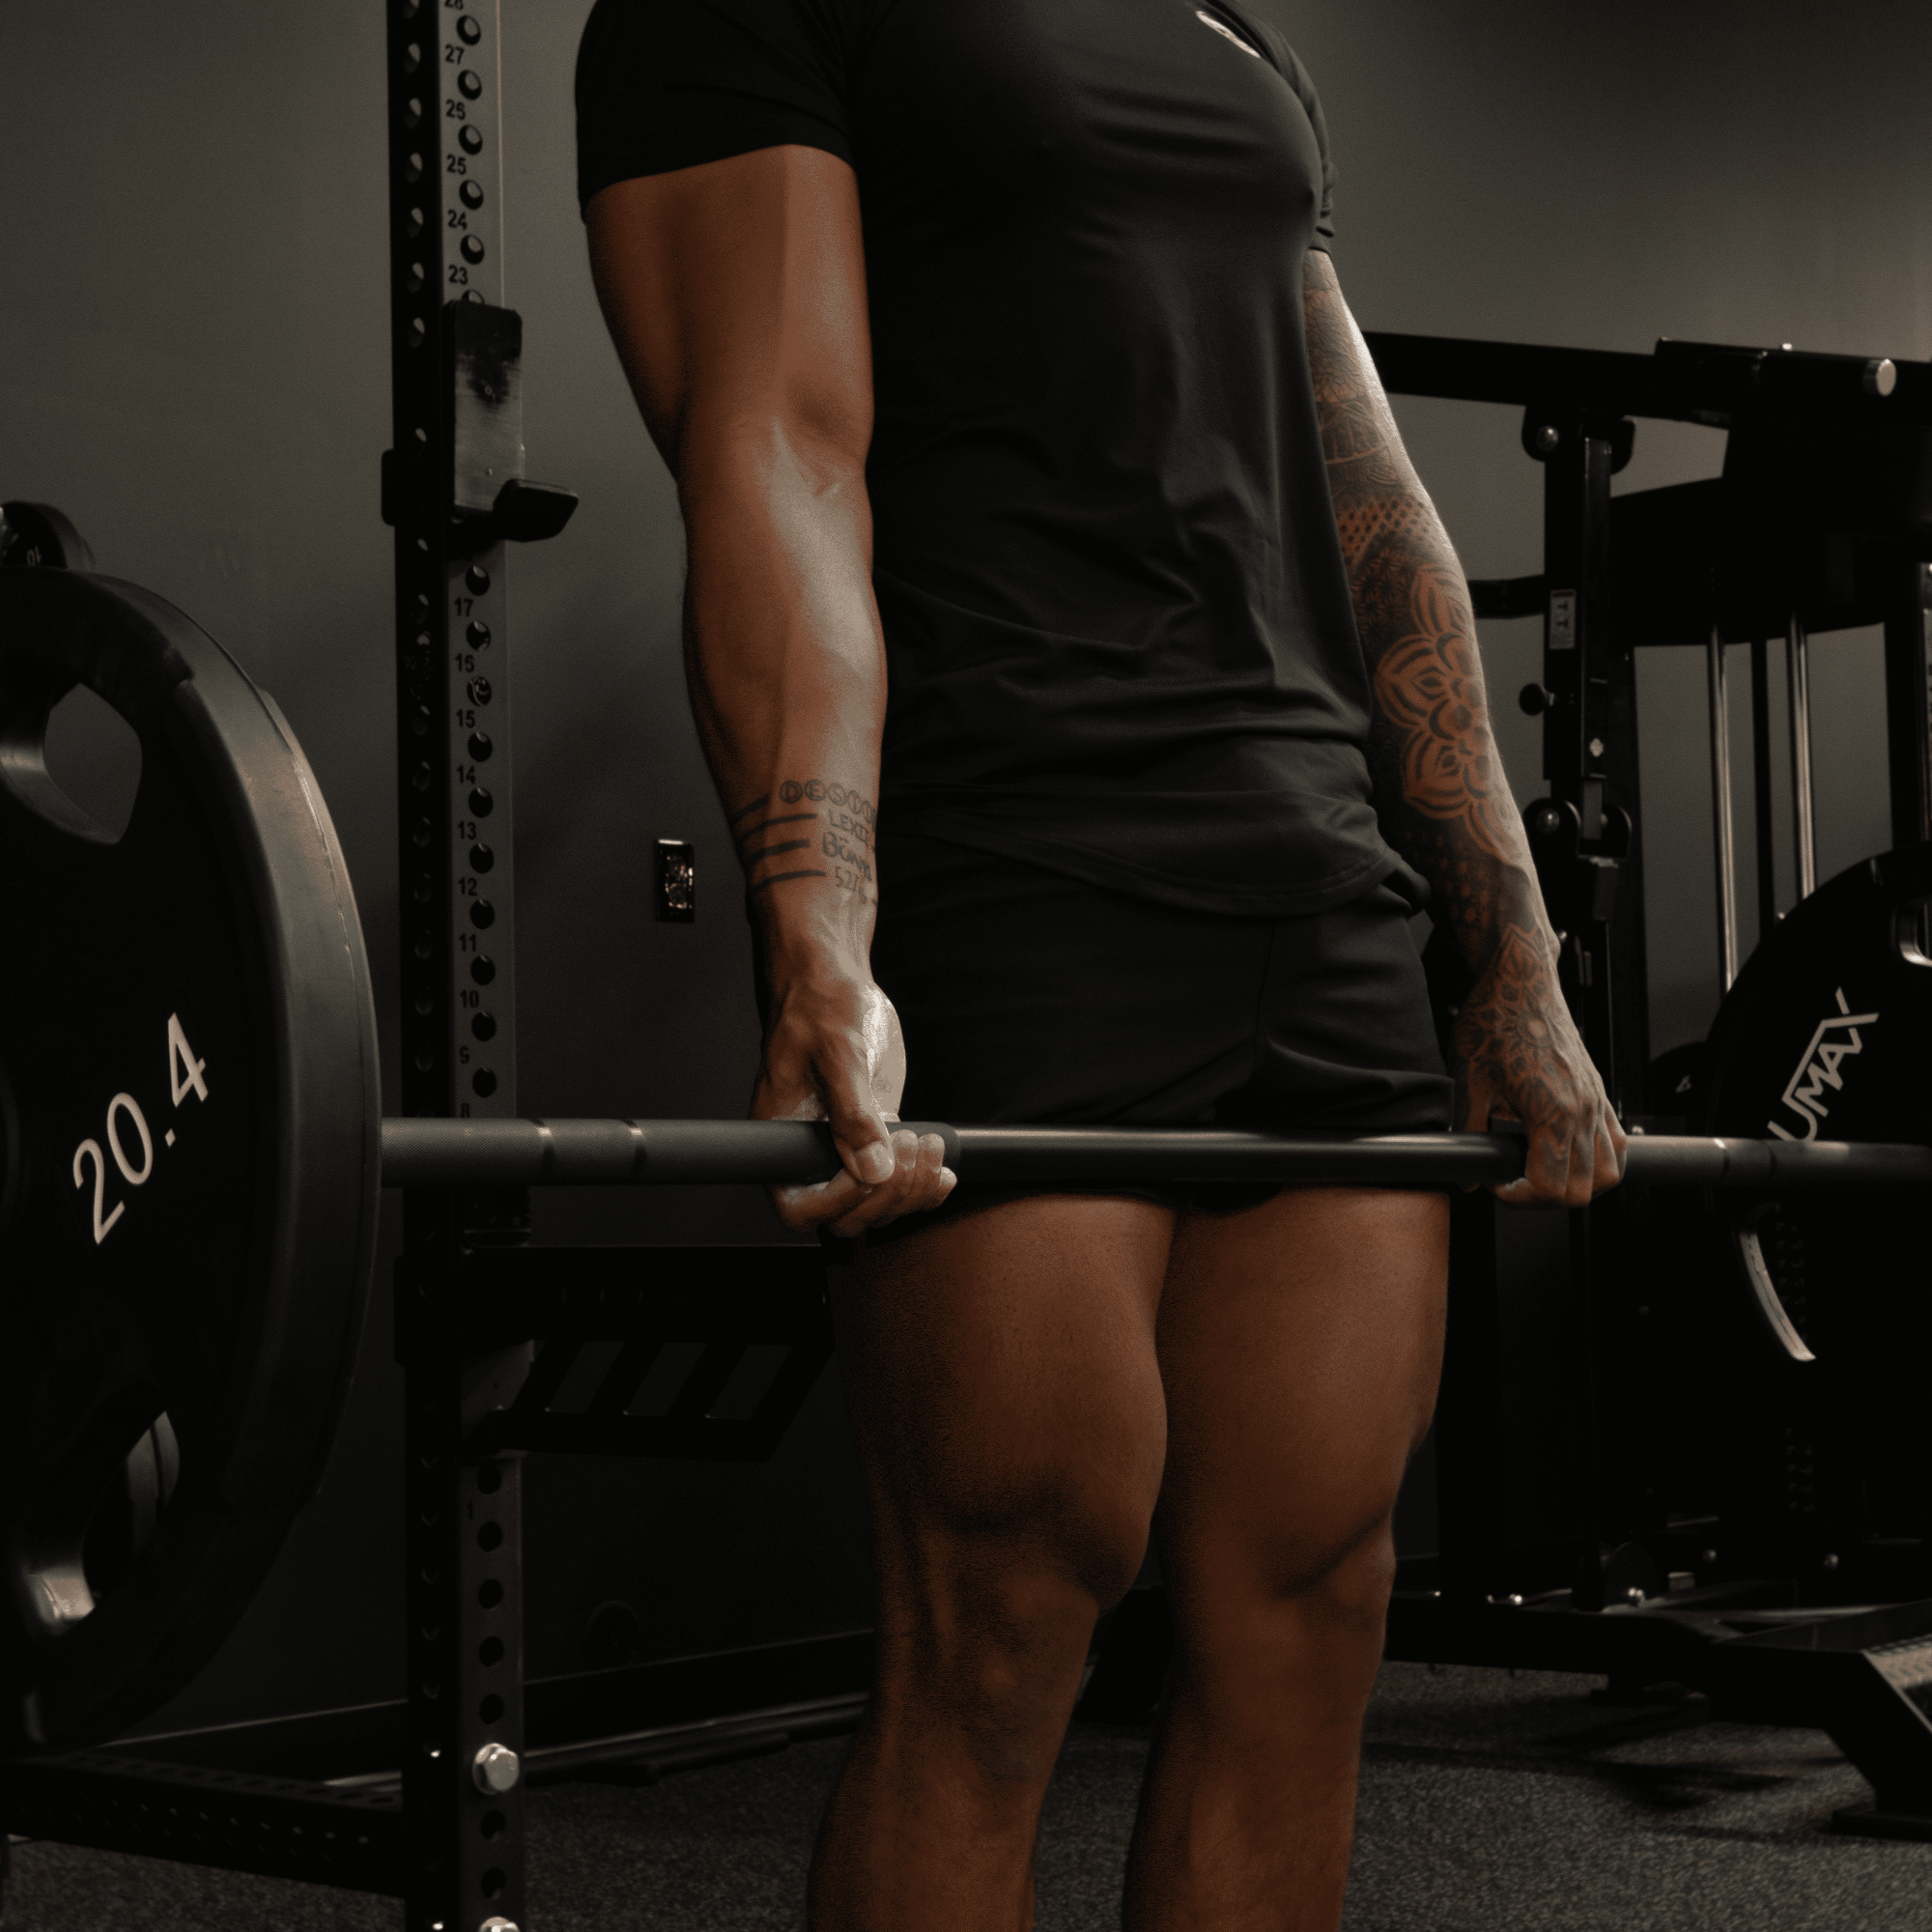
(188, 1055)
(37, 535)
(1827, 1035)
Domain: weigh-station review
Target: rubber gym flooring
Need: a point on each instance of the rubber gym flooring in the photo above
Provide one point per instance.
(1489, 1804)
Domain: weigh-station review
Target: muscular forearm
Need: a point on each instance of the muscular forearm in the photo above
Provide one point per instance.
(787, 681)
(735, 294)
(1441, 791)
(735, 290)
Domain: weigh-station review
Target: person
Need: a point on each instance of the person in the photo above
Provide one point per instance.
(1094, 696)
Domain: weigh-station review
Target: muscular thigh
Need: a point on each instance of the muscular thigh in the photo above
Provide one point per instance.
(1300, 1343)
(1005, 1396)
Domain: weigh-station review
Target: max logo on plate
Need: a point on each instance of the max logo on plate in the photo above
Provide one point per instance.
(1835, 1037)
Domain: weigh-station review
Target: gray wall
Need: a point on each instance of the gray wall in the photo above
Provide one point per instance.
(192, 363)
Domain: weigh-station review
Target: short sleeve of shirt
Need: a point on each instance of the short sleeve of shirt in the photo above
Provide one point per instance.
(1296, 75)
(665, 84)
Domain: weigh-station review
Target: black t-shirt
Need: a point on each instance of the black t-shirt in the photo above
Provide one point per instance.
(1116, 619)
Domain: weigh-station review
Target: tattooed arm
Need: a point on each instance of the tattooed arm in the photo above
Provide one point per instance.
(735, 294)
(1440, 792)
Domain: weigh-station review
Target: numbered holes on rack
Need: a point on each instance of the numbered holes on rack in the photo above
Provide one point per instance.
(468, 29)
(469, 141)
(484, 1084)
(469, 85)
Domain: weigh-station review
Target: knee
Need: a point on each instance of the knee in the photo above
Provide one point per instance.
(1004, 1551)
(1018, 1584)
(1329, 1588)
(1346, 1585)
(1003, 1601)
(986, 1647)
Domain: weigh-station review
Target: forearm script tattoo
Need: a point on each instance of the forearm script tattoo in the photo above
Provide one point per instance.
(808, 829)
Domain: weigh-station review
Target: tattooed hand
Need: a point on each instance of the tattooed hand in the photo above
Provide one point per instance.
(1518, 1058)
(1440, 792)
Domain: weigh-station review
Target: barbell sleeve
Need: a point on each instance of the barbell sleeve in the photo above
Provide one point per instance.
(438, 1152)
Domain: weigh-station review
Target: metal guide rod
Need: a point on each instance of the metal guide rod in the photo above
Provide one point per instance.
(433, 1152)
(1763, 818)
(1721, 812)
(1798, 679)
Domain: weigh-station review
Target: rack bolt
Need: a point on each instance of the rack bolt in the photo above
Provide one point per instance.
(496, 1769)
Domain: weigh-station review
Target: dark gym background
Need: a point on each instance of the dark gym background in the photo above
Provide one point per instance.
(193, 365)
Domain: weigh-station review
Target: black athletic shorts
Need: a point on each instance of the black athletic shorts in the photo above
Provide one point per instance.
(1029, 997)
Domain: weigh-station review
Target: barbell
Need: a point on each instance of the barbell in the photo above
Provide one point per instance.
(193, 1150)
(617, 1153)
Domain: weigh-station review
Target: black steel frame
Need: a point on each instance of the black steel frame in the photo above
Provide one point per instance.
(1555, 1549)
